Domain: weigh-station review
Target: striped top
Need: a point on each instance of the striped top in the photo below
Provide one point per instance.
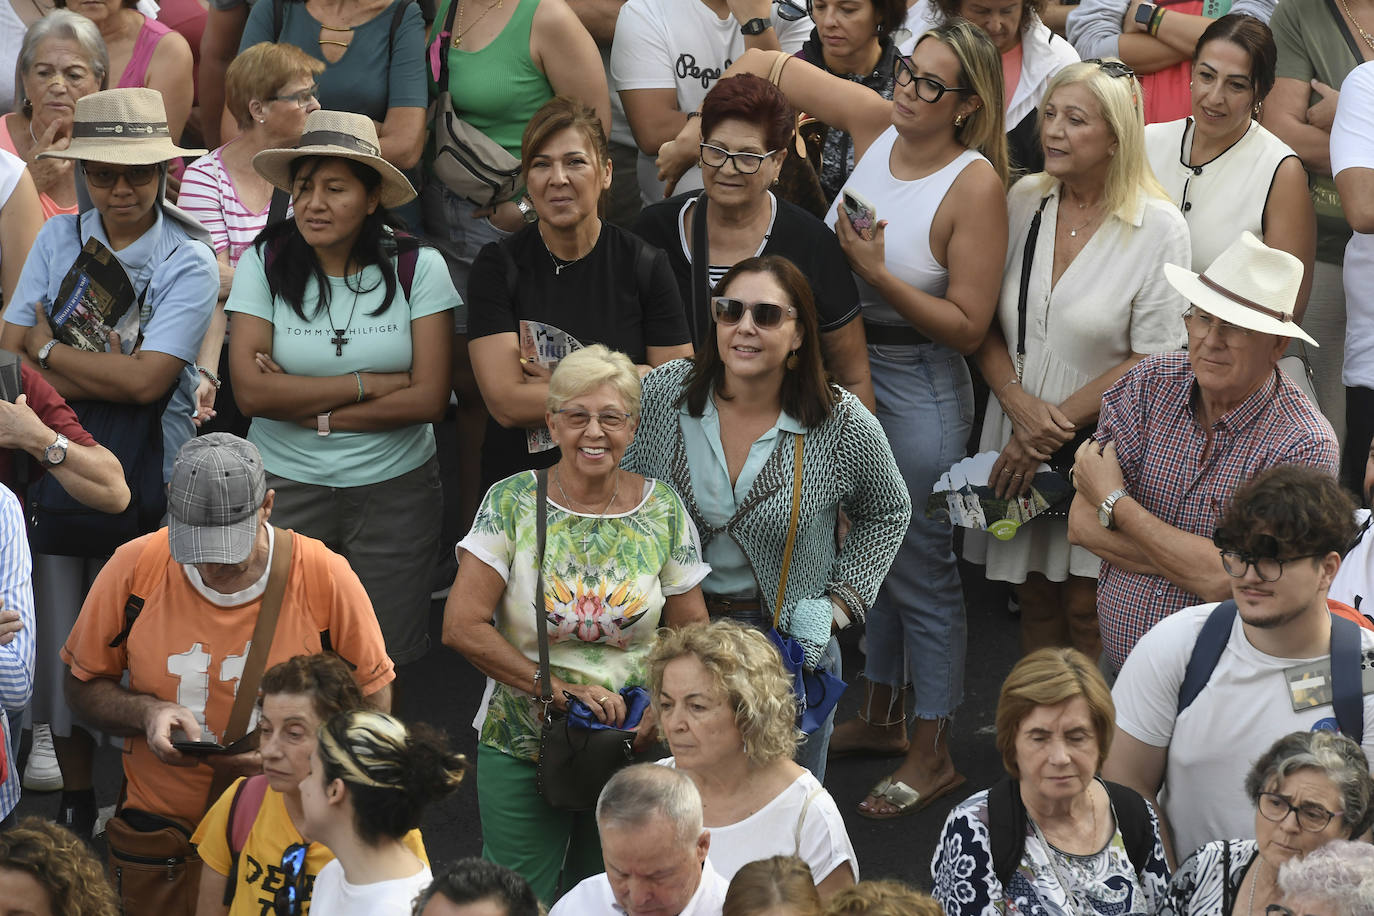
(208, 193)
(16, 658)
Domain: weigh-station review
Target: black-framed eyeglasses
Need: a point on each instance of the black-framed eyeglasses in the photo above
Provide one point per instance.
(1111, 67)
(765, 314)
(1269, 569)
(290, 897)
(104, 176)
(1312, 817)
(745, 163)
(577, 418)
(1278, 909)
(301, 98)
(927, 89)
(792, 10)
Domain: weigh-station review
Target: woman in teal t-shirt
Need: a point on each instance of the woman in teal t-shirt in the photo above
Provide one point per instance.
(340, 354)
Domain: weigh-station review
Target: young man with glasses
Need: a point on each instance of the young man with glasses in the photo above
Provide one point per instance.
(1181, 431)
(1279, 544)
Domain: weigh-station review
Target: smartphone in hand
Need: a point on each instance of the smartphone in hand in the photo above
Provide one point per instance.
(862, 214)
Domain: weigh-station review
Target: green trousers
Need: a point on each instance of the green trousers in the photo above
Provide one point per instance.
(521, 831)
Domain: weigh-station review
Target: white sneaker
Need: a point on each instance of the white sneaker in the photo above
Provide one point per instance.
(42, 774)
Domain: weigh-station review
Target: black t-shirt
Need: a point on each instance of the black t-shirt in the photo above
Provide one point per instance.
(795, 235)
(596, 299)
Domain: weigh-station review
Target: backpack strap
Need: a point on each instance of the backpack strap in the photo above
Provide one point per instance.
(1133, 822)
(1006, 828)
(243, 811)
(644, 270)
(151, 561)
(1207, 651)
(1346, 687)
(407, 256)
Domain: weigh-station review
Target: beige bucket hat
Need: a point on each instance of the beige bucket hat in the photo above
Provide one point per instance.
(1249, 284)
(344, 135)
(121, 126)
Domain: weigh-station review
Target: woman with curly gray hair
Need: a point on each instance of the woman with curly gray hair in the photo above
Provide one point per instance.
(1336, 880)
(726, 708)
(1309, 789)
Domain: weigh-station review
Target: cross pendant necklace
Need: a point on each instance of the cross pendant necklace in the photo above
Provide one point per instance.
(339, 338)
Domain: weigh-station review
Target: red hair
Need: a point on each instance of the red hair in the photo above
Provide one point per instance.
(755, 101)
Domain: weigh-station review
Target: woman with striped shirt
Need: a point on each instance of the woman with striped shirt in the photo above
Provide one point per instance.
(269, 90)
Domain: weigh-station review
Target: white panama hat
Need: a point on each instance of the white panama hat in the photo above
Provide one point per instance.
(1249, 284)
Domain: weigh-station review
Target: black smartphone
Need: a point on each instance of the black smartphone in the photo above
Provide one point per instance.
(199, 747)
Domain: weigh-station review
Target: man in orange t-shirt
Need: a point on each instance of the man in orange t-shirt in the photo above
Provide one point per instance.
(202, 579)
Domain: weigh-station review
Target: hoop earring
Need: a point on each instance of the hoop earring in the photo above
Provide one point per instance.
(792, 360)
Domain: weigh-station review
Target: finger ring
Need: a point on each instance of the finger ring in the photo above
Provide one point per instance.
(602, 699)
(1018, 475)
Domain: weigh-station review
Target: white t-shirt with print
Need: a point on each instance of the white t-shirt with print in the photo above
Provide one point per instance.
(1244, 708)
(681, 45)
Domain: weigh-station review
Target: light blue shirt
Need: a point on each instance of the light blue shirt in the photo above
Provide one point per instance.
(182, 281)
(718, 500)
(377, 343)
(16, 659)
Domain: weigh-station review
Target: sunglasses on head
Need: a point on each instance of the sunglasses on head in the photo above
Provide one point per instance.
(104, 176)
(1111, 67)
(290, 897)
(793, 10)
(765, 314)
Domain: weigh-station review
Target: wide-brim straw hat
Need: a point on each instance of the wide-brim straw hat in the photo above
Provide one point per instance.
(121, 126)
(343, 135)
(1249, 284)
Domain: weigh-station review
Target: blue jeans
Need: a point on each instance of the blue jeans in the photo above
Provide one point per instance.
(916, 628)
(451, 228)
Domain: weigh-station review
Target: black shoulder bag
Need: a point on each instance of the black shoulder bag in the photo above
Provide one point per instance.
(574, 763)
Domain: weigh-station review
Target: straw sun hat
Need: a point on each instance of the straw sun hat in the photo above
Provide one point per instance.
(342, 135)
(123, 127)
(1249, 284)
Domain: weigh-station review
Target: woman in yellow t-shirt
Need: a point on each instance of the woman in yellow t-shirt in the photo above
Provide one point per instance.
(297, 696)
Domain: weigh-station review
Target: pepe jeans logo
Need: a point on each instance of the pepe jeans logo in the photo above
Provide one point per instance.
(687, 68)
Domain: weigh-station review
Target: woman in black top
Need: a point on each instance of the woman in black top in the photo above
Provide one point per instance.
(747, 126)
(569, 272)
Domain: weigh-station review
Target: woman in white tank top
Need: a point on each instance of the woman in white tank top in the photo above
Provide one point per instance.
(932, 165)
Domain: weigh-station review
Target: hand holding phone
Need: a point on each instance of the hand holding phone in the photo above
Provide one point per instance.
(863, 216)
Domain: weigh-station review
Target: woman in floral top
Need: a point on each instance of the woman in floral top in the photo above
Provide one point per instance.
(1087, 846)
(621, 559)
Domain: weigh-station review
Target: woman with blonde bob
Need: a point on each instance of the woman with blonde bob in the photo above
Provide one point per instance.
(1079, 835)
(778, 886)
(621, 559)
(727, 709)
(1096, 210)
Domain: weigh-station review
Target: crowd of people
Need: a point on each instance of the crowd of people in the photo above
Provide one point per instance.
(1077, 293)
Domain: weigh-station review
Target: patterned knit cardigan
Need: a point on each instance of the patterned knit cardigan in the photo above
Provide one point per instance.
(846, 463)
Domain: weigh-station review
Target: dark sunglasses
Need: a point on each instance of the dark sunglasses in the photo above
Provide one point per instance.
(927, 89)
(290, 897)
(1111, 67)
(137, 176)
(765, 314)
(791, 11)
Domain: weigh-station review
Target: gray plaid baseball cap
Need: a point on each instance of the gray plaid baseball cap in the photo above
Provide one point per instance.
(216, 489)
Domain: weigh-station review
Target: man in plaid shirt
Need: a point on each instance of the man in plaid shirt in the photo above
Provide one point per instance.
(1181, 431)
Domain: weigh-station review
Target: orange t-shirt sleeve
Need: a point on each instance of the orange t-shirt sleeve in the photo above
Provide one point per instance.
(353, 628)
(88, 651)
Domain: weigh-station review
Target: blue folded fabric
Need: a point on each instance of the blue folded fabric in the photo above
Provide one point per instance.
(636, 702)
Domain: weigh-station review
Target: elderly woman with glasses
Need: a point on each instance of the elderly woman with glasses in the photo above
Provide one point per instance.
(1061, 338)
(620, 558)
(1309, 789)
(766, 452)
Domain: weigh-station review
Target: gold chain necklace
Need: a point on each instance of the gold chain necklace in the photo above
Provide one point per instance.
(1368, 39)
(459, 31)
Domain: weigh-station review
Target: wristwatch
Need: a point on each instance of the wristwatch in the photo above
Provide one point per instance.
(1104, 511)
(1144, 13)
(756, 26)
(56, 453)
(44, 351)
(527, 211)
(322, 423)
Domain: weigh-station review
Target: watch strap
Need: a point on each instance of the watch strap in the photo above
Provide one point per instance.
(44, 351)
(322, 423)
(756, 26)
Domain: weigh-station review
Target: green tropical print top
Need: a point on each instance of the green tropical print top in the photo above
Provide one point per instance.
(605, 580)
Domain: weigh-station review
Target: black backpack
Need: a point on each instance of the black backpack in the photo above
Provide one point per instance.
(1007, 823)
